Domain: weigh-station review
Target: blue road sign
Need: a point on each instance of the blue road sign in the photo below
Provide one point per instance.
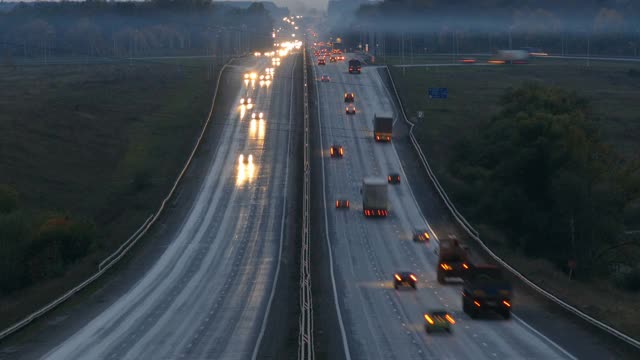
(438, 93)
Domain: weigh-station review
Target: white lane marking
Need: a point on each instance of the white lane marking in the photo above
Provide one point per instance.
(540, 335)
(345, 343)
(282, 227)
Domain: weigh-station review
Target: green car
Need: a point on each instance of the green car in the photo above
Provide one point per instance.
(438, 320)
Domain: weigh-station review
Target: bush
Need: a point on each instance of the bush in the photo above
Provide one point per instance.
(14, 239)
(629, 281)
(8, 199)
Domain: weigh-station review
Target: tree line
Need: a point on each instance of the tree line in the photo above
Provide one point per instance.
(423, 26)
(100, 28)
(540, 172)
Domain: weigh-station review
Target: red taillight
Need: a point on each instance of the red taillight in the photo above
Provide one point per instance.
(413, 277)
(347, 203)
(397, 277)
(506, 303)
(477, 303)
(337, 203)
(465, 266)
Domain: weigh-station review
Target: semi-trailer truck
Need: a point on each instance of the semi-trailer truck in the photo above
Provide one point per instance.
(510, 57)
(453, 260)
(374, 196)
(382, 127)
(485, 288)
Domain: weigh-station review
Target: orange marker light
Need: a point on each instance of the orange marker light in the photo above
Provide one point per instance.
(450, 319)
(429, 319)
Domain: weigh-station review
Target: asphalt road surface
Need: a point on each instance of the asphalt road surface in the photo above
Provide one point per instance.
(208, 294)
(378, 322)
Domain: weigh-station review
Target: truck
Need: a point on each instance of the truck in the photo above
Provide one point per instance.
(374, 197)
(354, 66)
(382, 127)
(453, 260)
(486, 289)
(510, 57)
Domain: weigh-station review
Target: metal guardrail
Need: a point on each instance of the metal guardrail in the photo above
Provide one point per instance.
(305, 337)
(474, 234)
(125, 247)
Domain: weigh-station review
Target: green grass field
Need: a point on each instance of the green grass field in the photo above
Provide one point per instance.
(613, 89)
(102, 143)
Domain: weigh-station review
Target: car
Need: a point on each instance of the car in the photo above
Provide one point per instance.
(350, 110)
(349, 97)
(245, 160)
(325, 78)
(467, 61)
(321, 61)
(257, 115)
(333, 59)
(246, 102)
(342, 204)
(421, 235)
(393, 178)
(438, 320)
(336, 151)
(405, 278)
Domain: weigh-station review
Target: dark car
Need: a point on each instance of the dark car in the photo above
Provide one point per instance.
(342, 204)
(350, 110)
(438, 320)
(336, 151)
(393, 178)
(349, 97)
(405, 278)
(421, 236)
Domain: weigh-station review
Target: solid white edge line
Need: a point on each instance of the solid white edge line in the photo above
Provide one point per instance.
(345, 342)
(529, 327)
(284, 213)
(544, 338)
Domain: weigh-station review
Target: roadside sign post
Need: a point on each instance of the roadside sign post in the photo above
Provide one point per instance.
(572, 266)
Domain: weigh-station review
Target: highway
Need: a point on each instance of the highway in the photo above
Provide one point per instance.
(376, 321)
(209, 293)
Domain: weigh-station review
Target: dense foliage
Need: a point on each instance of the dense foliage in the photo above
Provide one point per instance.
(100, 28)
(37, 243)
(34, 248)
(570, 26)
(539, 172)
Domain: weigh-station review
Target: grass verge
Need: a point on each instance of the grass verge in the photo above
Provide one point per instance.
(611, 87)
(100, 142)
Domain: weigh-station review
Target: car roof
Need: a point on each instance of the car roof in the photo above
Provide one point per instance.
(437, 312)
(405, 273)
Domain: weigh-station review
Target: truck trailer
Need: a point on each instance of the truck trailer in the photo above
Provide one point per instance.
(382, 127)
(453, 260)
(486, 289)
(374, 196)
